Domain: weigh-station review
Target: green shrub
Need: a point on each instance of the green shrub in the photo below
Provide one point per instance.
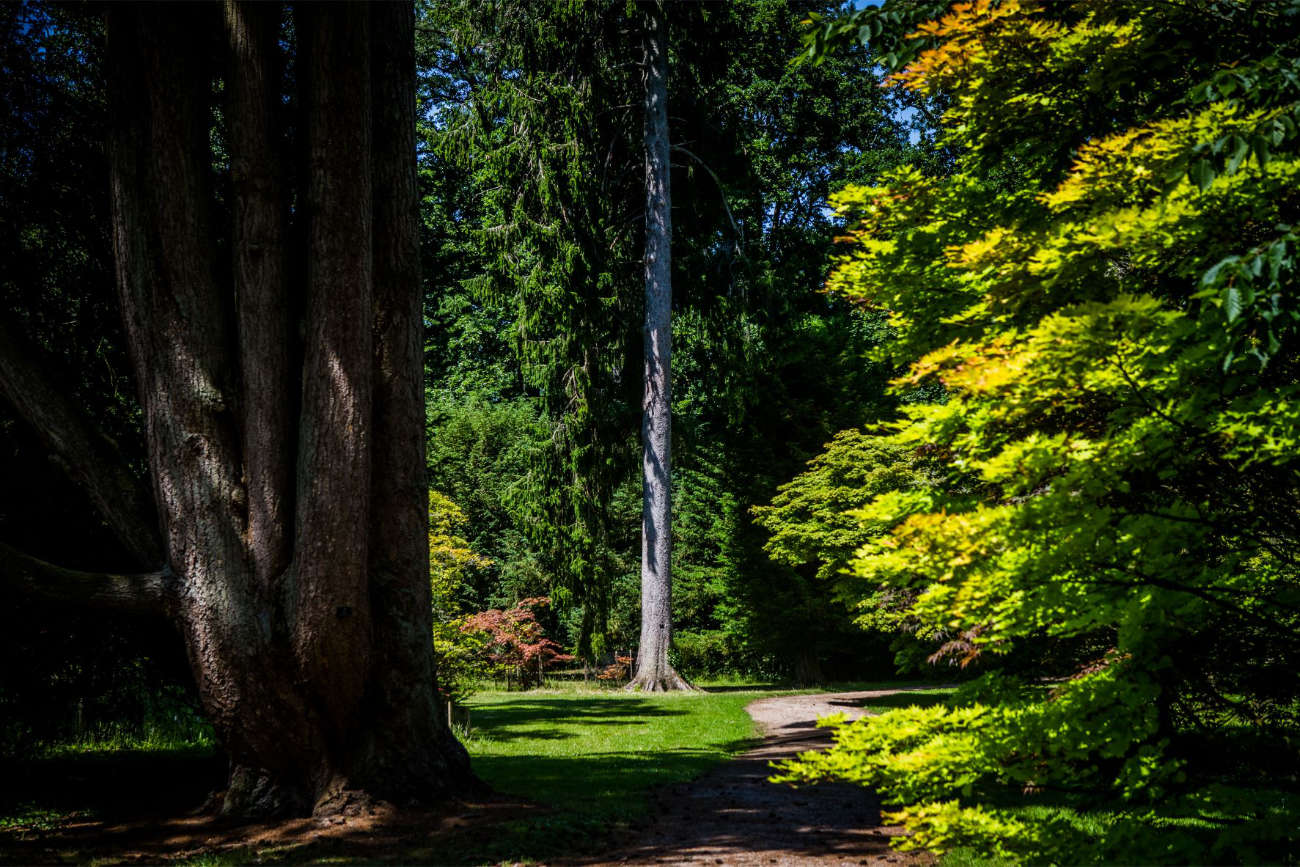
(705, 652)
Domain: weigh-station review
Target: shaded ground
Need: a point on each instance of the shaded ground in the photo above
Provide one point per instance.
(733, 815)
(381, 835)
(146, 807)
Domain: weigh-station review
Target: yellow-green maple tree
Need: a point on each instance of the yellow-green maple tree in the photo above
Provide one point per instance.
(1102, 294)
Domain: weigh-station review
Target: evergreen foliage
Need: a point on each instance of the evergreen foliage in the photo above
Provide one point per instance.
(533, 175)
(552, 163)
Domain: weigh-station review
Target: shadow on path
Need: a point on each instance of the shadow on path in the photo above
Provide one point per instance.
(733, 815)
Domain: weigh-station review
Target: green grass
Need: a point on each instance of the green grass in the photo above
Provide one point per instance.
(108, 739)
(600, 752)
(593, 756)
(590, 756)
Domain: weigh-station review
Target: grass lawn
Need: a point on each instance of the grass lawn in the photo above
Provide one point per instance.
(590, 757)
(593, 756)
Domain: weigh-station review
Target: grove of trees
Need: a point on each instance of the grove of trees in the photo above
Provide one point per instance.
(343, 342)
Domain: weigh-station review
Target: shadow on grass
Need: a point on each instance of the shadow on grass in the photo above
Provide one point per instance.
(596, 796)
(522, 718)
(112, 784)
(597, 800)
(614, 783)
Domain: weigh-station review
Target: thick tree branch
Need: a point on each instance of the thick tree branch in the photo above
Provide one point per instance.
(261, 289)
(330, 593)
(149, 593)
(90, 458)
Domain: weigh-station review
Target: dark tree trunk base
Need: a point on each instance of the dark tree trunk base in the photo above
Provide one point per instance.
(669, 681)
(808, 670)
(255, 794)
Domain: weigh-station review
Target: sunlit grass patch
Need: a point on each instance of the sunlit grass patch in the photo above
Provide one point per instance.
(600, 753)
(120, 738)
(594, 756)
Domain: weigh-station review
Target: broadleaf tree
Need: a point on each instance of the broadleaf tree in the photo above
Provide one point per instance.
(1100, 299)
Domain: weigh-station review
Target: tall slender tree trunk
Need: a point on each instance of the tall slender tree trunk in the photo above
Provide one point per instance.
(654, 673)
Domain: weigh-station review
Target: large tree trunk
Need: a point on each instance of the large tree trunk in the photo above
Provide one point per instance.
(289, 475)
(654, 673)
(408, 749)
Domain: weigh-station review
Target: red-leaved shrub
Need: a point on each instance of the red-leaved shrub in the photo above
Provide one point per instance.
(516, 643)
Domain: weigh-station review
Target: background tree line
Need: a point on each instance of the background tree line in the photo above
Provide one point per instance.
(537, 212)
(529, 160)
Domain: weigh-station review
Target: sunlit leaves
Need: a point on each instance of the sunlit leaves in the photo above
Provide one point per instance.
(1102, 297)
(809, 517)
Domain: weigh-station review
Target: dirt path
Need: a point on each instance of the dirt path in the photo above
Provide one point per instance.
(733, 815)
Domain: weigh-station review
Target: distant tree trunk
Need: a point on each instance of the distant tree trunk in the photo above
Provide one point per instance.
(807, 667)
(654, 673)
(288, 475)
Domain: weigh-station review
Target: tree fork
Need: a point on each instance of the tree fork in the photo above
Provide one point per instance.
(304, 593)
(180, 329)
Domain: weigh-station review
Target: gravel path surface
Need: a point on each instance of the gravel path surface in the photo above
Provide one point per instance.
(733, 815)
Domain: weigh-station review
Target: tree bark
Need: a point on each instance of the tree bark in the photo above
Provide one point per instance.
(179, 327)
(289, 475)
(654, 673)
(151, 594)
(328, 596)
(807, 667)
(265, 320)
(409, 751)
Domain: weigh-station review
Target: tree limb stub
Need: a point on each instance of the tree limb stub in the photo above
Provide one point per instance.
(147, 593)
(90, 458)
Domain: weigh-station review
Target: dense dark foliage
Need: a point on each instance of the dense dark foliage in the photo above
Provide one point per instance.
(65, 670)
(533, 175)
